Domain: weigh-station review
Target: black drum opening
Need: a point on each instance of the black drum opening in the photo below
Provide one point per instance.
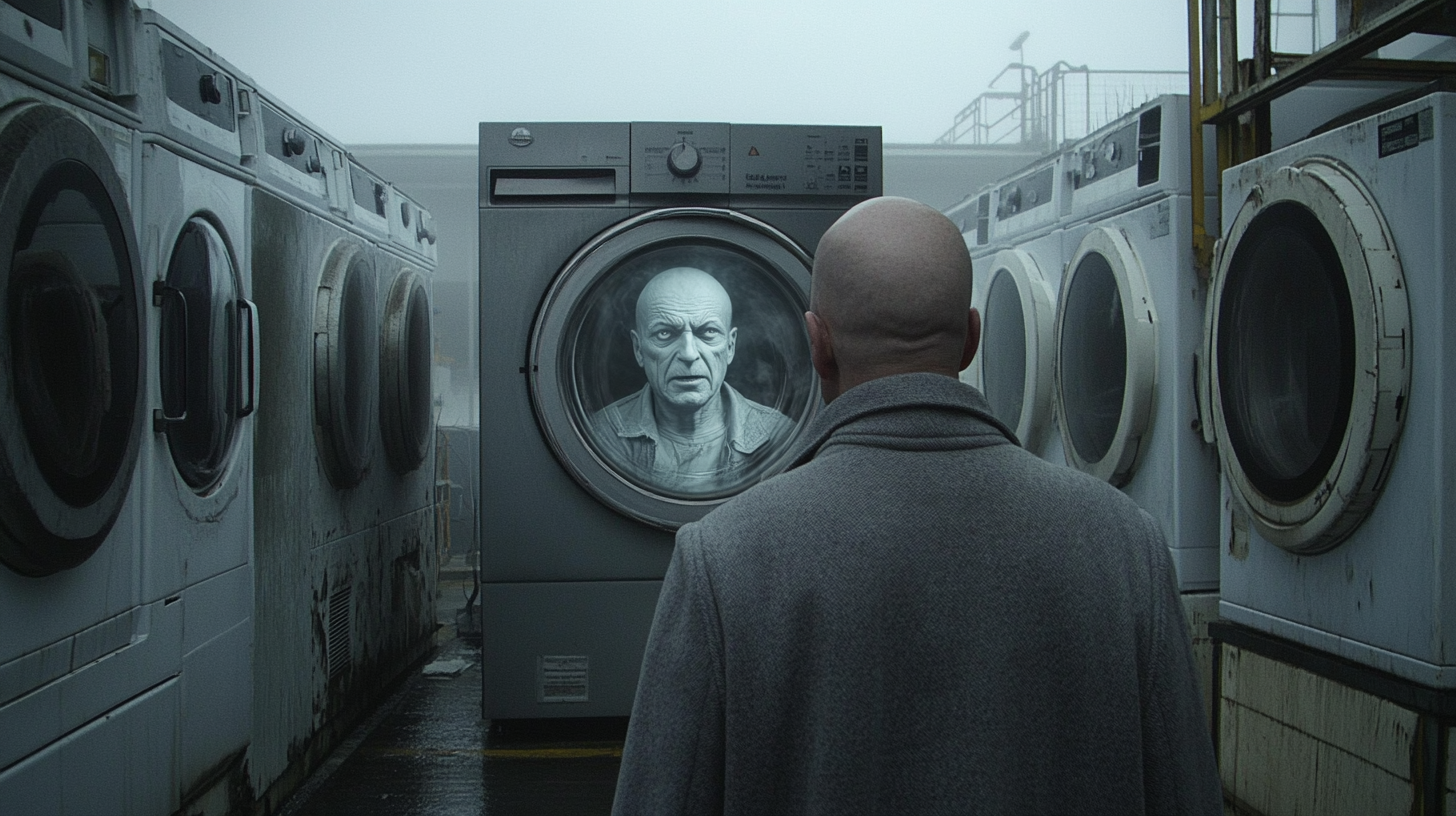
(1093, 357)
(1286, 352)
(1004, 360)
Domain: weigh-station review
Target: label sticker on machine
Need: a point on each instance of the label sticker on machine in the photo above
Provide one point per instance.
(561, 679)
(1406, 132)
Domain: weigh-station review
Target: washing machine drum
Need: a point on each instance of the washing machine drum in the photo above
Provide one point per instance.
(71, 346)
(1308, 338)
(670, 365)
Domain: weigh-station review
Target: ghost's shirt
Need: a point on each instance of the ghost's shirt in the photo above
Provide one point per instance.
(627, 433)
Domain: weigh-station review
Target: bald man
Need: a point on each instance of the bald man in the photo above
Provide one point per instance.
(687, 431)
(919, 616)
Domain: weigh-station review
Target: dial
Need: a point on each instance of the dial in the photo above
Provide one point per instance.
(683, 160)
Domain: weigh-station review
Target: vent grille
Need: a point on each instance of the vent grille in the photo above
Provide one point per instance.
(340, 639)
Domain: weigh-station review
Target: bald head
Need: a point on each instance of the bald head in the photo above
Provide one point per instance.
(892, 289)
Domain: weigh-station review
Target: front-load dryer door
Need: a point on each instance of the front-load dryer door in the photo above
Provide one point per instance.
(207, 353)
(1107, 350)
(1016, 346)
(71, 342)
(1308, 336)
(346, 363)
(406, 400)
(669, 362)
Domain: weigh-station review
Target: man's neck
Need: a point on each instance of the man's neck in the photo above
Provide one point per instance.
(690, 421)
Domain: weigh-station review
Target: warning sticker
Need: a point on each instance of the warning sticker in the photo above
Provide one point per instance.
(561, 679)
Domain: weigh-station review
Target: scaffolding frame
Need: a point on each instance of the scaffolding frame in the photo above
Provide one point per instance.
(1233, 95)
(1053, 106)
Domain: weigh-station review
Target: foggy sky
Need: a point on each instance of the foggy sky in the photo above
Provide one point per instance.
(428, 71)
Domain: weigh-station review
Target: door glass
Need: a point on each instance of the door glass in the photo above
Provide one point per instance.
(407, 400)
(346, 367)
(1286, 352)
(200, 354)
(690, 369)
(1003, 366)
(1093, 358)
(74, 336)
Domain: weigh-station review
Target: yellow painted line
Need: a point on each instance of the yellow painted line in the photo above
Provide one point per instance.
(506, 753)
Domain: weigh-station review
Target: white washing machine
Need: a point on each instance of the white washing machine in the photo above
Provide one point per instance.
(198, 457)
(1129, 324)
(344, 548)
(1330, 385)
(1017, 273)
(88, 665)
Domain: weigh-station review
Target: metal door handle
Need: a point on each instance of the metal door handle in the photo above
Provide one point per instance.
(250, 371)
(161, 292)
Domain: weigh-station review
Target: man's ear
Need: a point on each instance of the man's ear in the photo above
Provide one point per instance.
(973, 338)
(821, 353)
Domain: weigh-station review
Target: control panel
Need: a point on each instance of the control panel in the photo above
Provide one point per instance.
(807, 160)
(680, 158)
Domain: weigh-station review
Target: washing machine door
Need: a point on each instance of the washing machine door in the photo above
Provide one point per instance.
(71, 343)
(346, 363)
(1107, 349)
(207, 349)
(1016, 343)
(669, 362)
(1308, 337)
(406, 401)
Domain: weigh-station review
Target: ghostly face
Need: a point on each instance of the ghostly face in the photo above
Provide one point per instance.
(684, 338)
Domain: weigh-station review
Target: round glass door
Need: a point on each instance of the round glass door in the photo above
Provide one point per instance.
(670, 361)
(1308, 331)
(1107, 348)
(406, 363)
(346, 364)
(70, 340)
(205, 379)
(1016, 346)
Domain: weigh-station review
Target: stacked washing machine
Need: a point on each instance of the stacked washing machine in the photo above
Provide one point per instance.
(1330, 385)
(579, 493)
(1129, 326)
(91, 646)
(345, 562)
(1018, 267)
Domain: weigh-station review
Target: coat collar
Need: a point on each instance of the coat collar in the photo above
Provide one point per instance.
(896, 393)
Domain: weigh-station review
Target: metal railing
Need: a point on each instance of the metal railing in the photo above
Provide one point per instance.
(1052, 106)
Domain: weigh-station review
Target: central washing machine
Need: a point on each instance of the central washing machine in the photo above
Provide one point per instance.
(612, 412)
(1017, 271)
(1129, 327)
(1331, 387)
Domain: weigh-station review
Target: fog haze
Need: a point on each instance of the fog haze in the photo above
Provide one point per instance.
(428, 71)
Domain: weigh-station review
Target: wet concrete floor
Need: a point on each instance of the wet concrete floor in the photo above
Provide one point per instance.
(426, 750)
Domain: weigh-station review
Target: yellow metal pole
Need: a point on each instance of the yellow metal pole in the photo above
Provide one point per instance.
(1202, 242)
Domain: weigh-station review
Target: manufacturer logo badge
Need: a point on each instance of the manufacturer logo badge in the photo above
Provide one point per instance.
(520, 137)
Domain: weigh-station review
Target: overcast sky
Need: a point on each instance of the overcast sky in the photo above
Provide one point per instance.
(427, 71)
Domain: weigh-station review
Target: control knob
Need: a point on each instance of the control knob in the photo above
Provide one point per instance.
(683, 160)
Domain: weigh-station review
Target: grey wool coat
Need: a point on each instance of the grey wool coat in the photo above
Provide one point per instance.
(919, 617)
